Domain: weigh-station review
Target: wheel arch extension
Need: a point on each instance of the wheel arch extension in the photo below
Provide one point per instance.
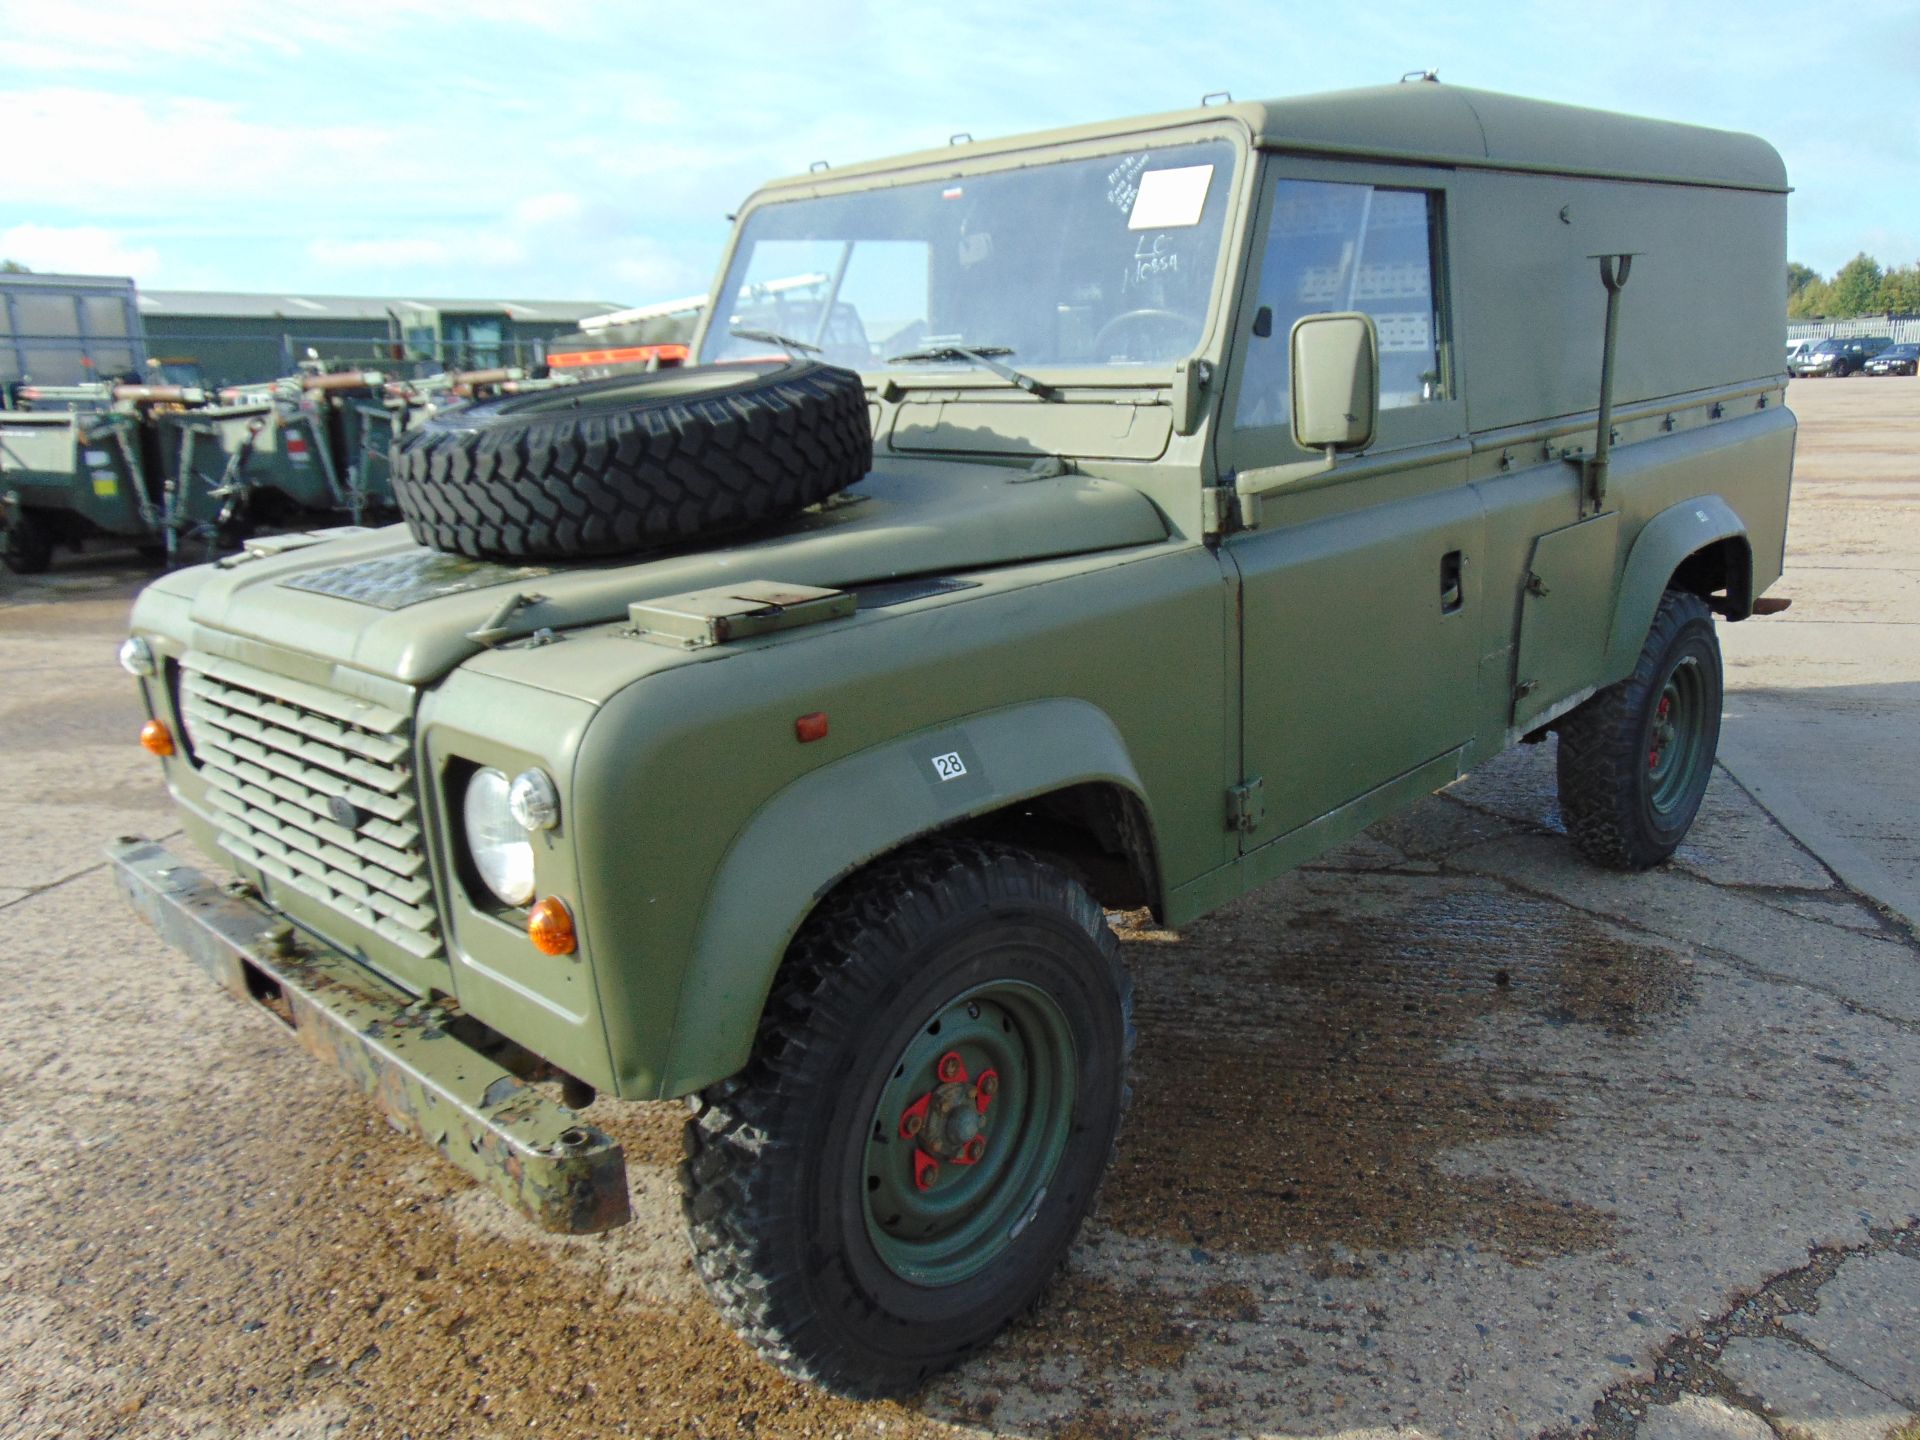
(1700, 546)
(1052, 776)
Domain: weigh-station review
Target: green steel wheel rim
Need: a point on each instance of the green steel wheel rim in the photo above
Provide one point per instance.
(971, 1126)
(1677, 754)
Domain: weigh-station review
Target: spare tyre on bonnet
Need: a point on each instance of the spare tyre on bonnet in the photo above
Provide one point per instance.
(619, 465)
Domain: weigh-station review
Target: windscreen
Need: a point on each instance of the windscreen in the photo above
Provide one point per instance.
(1101, 261)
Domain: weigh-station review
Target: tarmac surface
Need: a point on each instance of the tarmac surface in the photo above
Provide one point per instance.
(1448, 1134)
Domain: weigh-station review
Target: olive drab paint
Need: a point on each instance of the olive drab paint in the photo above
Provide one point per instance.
(1135, 599)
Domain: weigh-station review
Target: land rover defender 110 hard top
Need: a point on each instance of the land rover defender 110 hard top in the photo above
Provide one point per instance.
(1108, 518)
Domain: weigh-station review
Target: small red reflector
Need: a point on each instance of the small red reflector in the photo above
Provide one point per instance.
(156, 739)
(296, 444)
(812, 727)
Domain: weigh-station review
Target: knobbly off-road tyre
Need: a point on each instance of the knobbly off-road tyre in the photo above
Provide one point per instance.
(26, 545)
(614, 466)
(800, 1182)
(1635, 759)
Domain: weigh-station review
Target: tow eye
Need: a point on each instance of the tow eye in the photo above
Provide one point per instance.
(948, 1124)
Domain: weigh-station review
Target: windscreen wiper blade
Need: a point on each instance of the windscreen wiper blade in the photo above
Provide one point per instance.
(981, 355)
(774, 337)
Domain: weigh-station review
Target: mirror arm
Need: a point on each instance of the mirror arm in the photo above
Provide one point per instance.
(1250, 485)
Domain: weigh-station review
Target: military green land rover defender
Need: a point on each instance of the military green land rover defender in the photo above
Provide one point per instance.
(1113, 517)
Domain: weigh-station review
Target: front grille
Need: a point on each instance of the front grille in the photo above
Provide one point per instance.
(278, 756)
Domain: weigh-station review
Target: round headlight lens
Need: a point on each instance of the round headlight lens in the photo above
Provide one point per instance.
(501, 851)
(533, 800)
(136, 657)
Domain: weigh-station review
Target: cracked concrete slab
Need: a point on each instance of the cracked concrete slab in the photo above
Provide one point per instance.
(1809, 1398)
(1869, 1323)
(1702, 1417)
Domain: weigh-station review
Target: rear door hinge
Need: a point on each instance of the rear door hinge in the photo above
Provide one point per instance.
(1246, 806)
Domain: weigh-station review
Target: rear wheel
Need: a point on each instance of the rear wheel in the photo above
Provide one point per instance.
(1634, 761)
(929, 1109)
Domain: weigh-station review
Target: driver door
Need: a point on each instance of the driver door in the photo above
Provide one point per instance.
(1361, 606)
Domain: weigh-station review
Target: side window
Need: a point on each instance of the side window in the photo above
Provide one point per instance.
(1333, 246)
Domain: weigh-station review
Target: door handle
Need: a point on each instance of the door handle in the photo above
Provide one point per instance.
(1452, 593)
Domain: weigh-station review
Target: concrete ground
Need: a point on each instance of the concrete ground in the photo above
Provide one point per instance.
(1822, 730)
(1446, 1135)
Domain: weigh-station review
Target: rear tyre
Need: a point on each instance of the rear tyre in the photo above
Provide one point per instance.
(927, 1114)
(26, 545)
(1634, 761)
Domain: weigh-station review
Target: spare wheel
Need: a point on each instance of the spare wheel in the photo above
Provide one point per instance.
(614, 466)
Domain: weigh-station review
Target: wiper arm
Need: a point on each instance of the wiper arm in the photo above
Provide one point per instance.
(983, 357)
(774, 337)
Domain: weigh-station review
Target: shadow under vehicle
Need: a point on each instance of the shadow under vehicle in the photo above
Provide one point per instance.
(1126, 516)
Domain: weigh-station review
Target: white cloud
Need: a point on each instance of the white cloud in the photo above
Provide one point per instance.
(130, 35)
(81, 249)
(554, 209)
(85, 149)
(396, 254)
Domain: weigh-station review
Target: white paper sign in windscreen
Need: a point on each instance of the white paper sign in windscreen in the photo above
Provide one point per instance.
(1170, 199)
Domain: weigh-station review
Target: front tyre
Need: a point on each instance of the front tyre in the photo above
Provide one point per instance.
(26, 544)
(928, 1111)
(1635, 759)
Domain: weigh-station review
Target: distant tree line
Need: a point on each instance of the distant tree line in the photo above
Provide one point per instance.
(1859, 287)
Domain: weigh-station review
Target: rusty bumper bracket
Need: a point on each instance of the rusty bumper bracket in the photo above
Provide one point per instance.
(532, 1152)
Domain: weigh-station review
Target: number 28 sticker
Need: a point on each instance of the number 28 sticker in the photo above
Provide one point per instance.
(949, 766)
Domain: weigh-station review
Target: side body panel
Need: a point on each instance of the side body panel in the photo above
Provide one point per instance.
(689, 825)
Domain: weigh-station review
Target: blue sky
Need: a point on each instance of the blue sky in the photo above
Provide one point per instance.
(571, 149)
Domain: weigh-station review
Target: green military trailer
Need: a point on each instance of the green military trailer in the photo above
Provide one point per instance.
(308, 438)
(113, 462)
(1113, 517)
(70, 474)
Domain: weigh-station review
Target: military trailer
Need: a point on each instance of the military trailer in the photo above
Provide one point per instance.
(114, 462)
(1124, 516)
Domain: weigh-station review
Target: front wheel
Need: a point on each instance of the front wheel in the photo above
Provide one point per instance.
(1635, 759)
(931, 1103)
(26, 545)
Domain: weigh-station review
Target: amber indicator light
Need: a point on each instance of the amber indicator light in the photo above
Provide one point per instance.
(156, 739)
(809, 728)
(550, 927)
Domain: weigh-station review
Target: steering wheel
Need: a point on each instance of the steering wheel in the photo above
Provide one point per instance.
(1164, 319)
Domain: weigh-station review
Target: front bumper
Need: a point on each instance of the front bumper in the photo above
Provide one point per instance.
(406, 1053)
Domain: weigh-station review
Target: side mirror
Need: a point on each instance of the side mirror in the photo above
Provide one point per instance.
(1336, 381)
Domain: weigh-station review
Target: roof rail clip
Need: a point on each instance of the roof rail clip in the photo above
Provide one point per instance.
(1217, 97)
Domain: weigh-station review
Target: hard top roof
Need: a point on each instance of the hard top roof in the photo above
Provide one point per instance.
(1432, 123)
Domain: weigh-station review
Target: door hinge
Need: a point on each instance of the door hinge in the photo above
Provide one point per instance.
(1536, 586)
(1246, 807)
(1216, 509)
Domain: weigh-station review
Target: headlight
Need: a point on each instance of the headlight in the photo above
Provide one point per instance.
(136, 657)
(533, 800)
(501, 851)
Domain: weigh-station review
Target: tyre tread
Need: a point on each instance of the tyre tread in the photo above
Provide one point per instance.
(732, 1140)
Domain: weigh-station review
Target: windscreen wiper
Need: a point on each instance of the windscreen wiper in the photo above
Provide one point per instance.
(774, 337)
(981, 355)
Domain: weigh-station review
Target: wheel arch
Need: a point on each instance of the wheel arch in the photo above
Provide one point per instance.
(1054, 776)
(1700, 546)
